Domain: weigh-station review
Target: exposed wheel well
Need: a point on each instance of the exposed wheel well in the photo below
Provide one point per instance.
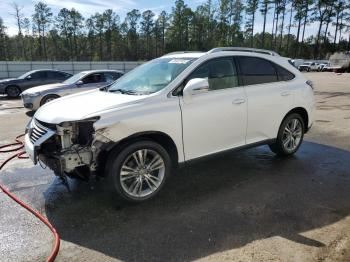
(159, 137)
(303, 113)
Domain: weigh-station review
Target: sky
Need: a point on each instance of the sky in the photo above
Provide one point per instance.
(121, 7)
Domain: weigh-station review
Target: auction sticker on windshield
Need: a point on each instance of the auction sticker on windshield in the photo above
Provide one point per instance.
(179, 61)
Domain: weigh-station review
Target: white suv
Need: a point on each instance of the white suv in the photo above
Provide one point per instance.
(169, 111)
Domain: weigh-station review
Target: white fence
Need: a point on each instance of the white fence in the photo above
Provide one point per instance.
(10, 69)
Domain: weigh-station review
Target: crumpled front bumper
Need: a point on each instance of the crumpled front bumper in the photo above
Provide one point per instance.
(30, 149)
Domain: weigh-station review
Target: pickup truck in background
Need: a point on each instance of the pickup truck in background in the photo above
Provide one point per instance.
(308, 66)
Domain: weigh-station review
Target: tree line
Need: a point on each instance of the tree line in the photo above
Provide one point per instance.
(69, 35)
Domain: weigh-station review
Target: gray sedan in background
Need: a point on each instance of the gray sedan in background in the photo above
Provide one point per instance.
(35, 97)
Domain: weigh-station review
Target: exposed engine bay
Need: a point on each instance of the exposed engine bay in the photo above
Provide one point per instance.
(70, 147)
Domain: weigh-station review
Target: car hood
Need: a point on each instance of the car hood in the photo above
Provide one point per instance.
(79, 106)
(43, 88)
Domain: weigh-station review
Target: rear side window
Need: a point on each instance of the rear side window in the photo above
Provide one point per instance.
(56, 75)
(256, 70)
(111, 76)
(94, 78)
(221, 73)
(39, 75)
(284, 74)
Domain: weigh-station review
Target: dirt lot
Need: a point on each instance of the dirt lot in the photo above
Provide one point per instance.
(247, 206)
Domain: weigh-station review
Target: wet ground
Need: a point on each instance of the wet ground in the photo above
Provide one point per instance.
(249, 205)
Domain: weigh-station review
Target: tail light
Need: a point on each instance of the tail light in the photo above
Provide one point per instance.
(310, 84)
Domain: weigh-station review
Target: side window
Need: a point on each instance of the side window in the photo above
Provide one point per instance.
(55, 75)
(221, 73)
(39, 75)
(111, 76)
(66, 75)
(94, 78)
(257, 70)
(284, 74)
(62, 75)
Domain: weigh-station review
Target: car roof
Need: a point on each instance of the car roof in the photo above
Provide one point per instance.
(54, 70)
(232, 50)
(101, 71)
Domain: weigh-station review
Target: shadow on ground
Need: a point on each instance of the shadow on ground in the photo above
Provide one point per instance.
(210, 207)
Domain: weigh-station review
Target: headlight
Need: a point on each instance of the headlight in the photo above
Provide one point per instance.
(28, 126)
(32, 94)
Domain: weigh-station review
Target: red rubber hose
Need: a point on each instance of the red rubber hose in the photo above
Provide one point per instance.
(18, 143)
(36, 213)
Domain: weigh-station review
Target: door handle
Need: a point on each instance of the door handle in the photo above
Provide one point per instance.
(238, 101)
(285, 93)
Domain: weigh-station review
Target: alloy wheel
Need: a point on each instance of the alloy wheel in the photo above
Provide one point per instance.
(12, 91)
(292, 134)
(49, 99)
(142, 173)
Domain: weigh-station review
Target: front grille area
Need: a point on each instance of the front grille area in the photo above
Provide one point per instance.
(37, 131)
(46, 125)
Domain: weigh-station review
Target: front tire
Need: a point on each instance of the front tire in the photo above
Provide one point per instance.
(139, 170)
(13, 91)
(290, 135)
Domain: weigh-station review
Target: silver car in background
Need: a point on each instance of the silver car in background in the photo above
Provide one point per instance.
(35, 97)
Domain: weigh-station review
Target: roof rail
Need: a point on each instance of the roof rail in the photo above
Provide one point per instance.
(243, 49)
(181, 52)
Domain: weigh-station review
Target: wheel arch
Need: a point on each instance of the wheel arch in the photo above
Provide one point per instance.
(50, 94)
(13, 85)
(302, 112)
(156, 136)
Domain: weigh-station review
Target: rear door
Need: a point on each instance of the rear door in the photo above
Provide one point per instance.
(270, 96)
(215, 120)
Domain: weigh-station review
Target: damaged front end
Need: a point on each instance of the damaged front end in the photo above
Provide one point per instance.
(68, 148)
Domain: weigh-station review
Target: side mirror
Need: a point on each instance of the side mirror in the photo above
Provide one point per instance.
(195, 86)
(29, 77)
(79, 83)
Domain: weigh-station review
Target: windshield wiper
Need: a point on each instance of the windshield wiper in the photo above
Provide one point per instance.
(105, 88)
(123, 91)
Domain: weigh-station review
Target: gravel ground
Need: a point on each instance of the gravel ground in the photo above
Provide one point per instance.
(246, 206)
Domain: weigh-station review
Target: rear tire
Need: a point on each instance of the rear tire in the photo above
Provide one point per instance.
(290, 135)
(47, 99)
(138, 171)
(13, 91)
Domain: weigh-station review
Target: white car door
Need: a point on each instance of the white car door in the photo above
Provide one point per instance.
(215, 120)
(269, 97)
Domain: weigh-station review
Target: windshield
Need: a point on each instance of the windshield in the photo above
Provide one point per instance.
(74, 78)
(151, 77)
